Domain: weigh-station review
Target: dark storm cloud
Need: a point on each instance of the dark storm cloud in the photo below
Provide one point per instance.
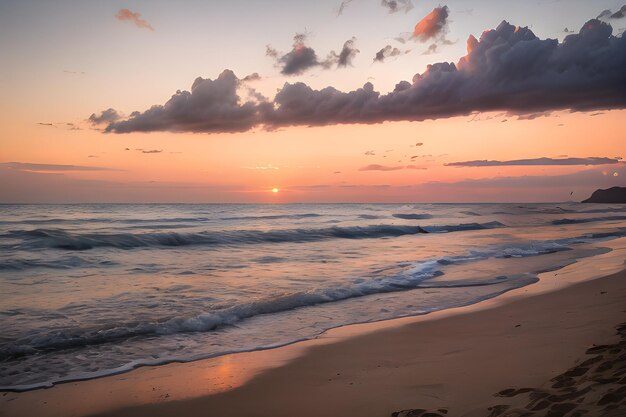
(509, 69)
(109, 115)
(302, 57)
(387, 52)
(394, 6)
(536, 161)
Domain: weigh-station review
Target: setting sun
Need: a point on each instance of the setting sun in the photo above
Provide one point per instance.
(274, 190)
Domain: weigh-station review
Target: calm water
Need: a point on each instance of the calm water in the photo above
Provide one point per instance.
(89, 290)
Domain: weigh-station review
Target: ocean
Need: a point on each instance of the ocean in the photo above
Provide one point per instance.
(94, 289)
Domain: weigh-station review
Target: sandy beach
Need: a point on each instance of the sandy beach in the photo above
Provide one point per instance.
(452, 362)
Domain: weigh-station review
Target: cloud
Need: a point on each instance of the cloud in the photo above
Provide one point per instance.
(109, 115)
(433, 25)
(251, 77)
(347, 54)
(508, 69)
(376, 167)
(342, 6)
(151, 150)
(211, 106)
(302, 57)
(536, 161)
(387, 52)
(27, 166)
(394, 6)
(134, 17)
(268, 167)
(619, 14)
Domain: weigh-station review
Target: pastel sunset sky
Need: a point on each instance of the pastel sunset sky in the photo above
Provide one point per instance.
(321, 101)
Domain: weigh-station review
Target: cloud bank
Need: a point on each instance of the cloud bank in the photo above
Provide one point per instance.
(508, 69)
(536, 162)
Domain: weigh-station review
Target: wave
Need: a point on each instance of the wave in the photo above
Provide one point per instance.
(69, 262)
(104, 220)
(412, 277)
(60, 239)
(412, 216)
(274, 217)
(588, 220)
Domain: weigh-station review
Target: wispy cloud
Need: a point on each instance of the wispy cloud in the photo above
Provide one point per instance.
(536, 161)
(134, 17)
(27, 166)
(394, 6)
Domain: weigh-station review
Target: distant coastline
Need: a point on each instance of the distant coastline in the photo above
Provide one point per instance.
(613, 195)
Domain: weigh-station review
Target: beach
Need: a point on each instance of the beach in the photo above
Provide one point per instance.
(454, 361)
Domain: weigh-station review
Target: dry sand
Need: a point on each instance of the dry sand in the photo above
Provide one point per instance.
(453, 361)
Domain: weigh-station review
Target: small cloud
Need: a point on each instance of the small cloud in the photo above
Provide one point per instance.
(370, 153)
(342, 6)
(151, 150)
(419, 144)
(376, 167)
(74, 72)
(134, 17)
(46, 124)
(433, 25)
(347, 54)
(387, 52)
(394, 6)
(302, 57)
(107, 116)
(263, 167)
(337, 172)
(415, 167)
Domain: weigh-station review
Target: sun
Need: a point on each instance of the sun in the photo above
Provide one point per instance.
(274, 190)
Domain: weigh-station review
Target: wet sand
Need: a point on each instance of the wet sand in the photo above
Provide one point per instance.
(460, 362)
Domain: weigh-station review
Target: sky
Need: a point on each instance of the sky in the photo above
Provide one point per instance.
(300, 101)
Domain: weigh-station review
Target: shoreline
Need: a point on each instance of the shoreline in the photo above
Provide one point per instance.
(232, 382)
